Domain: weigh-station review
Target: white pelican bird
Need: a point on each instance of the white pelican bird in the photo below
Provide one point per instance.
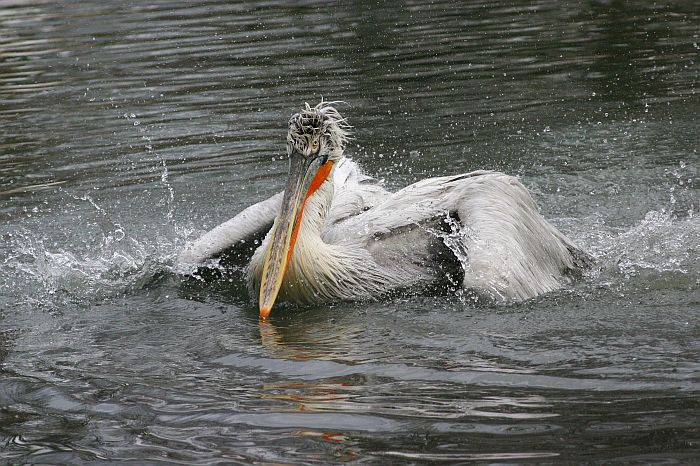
(337, 234)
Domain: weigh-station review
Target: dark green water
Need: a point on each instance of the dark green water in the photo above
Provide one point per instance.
(128, 128)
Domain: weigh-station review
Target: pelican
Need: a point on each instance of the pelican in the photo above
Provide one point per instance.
(335, 233)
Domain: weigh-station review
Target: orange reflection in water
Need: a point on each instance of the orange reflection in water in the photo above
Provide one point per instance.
(315, 340)
(308, 343)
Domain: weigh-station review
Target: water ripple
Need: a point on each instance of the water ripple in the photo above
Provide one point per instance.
(314, 370)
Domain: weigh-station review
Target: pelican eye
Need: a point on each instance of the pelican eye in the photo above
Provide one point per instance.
(314, 145)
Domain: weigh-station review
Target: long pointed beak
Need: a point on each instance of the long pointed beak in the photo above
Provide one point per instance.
(305, 176)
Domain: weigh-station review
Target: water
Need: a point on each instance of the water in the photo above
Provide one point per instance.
(127, 129)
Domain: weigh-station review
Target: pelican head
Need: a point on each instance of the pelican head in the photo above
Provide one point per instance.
(315, 141)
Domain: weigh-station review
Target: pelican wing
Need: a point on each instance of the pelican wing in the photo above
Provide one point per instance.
(507, 249)
(252, 222)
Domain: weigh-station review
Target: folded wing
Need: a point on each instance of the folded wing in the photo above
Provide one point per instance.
(508, 251)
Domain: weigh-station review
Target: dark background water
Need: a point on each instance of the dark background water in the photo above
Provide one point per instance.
(127, 128)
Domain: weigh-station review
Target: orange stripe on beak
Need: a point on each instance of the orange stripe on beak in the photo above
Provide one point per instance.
(286, 230)
(316, 183)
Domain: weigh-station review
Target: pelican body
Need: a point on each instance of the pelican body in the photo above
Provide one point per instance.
(335, 233)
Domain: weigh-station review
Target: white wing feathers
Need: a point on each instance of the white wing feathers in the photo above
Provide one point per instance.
(354, 193)
(255, 219)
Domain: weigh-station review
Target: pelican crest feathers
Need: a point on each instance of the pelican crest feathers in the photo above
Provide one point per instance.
(322, 120)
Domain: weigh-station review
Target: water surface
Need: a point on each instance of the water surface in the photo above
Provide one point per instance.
(127, 129)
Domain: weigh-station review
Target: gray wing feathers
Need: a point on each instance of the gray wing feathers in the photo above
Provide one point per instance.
(507, 249)
(513, 253)
(411, 205)
(255, 219)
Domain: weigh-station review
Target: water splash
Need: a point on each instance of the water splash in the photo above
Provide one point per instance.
(660, 242)
(456, 239)
(44, 275)
(661, 250)
(52, 275)
(169, 200)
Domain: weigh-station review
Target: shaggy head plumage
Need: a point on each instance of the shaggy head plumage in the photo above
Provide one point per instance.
(318, 130)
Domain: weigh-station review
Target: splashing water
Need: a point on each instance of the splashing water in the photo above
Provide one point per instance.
(659, 242)
(116, 263)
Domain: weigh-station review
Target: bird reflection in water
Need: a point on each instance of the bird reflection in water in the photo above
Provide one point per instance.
(308, 396)
(311, 340)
